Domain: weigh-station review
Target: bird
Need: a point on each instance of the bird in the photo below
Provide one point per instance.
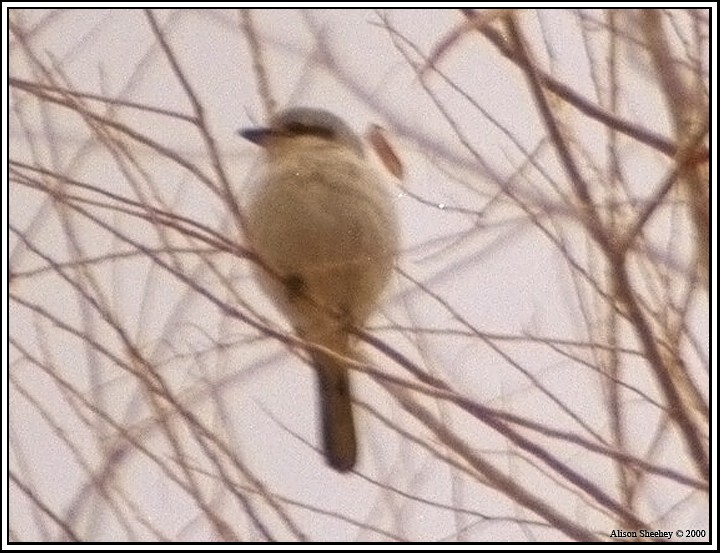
(323, 226)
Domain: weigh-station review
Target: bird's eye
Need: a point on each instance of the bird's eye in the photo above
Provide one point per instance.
(296, 128)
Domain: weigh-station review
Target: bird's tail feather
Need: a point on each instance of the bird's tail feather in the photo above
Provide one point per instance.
(338, 426)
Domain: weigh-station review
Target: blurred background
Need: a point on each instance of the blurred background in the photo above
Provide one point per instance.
(539, 367)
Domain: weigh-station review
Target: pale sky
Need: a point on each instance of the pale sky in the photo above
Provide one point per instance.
(500, 290)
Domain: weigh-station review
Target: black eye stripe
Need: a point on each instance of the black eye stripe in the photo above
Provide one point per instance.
(298, 129)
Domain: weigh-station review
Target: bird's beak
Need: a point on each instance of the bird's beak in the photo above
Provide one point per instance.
(257, 135)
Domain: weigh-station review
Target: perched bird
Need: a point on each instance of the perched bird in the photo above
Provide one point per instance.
(324, 229)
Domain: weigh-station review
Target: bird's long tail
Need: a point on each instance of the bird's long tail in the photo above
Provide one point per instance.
(338, 426)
